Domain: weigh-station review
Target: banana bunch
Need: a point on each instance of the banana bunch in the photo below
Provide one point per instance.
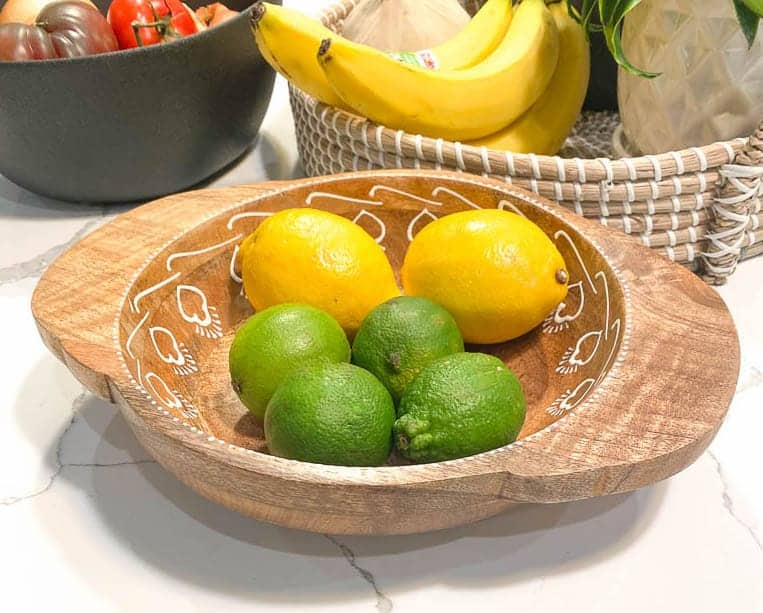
(513, 79)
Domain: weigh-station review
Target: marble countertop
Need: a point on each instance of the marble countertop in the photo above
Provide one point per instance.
(88, 522)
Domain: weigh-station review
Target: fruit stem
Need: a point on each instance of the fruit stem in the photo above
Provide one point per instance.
(159, 25)
(324, 48)
(258, 12)
(403, 441)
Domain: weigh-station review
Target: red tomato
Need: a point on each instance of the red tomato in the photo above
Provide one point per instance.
(138, 23)
(123, 16)
(182, 21)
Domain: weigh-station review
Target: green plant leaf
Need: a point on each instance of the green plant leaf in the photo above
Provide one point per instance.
(612, 14)
(587, 8)
(756, 6)
(607, 16)
(748, 20)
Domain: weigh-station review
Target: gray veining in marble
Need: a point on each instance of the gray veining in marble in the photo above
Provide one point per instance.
(728, 502)
(383, 602)
(60, 465)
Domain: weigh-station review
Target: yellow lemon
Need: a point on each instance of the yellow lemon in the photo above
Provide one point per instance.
(496, 272)
(317, 258)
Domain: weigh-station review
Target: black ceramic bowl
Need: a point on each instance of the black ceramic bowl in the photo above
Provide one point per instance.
(132, 125)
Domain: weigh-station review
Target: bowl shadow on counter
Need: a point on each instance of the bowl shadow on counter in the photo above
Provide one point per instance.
(270, 164)
(171, 528)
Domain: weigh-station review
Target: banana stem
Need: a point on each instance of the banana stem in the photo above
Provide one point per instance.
(258, 12)
(324, 48)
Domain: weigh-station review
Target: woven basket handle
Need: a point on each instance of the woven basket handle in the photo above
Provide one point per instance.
(739, 192)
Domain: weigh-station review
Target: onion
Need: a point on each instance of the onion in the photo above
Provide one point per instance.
(26, 11)
(404, 25)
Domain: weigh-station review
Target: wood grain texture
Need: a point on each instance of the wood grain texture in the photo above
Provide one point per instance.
(660, 389)
(81, 291)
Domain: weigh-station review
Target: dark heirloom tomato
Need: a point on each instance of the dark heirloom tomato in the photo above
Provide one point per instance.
(19, 42)
(61, 30)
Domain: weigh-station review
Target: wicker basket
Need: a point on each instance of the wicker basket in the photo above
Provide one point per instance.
(700, 207)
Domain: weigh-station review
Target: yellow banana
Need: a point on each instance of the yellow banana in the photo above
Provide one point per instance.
(453, 104)
(289, 39)
(546, 125)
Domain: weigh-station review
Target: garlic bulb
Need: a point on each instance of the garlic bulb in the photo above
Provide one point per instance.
(404, 25)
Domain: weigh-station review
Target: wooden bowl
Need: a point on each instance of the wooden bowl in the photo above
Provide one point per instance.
(627, 381)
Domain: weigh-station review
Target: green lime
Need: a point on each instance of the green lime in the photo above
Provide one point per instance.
(461, 404)
(402, 336)
(331, 414)
(275, 342)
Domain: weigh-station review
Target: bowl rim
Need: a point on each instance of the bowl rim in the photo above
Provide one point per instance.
(254, 460)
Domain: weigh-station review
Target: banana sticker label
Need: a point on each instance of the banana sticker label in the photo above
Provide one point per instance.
(423, 59)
